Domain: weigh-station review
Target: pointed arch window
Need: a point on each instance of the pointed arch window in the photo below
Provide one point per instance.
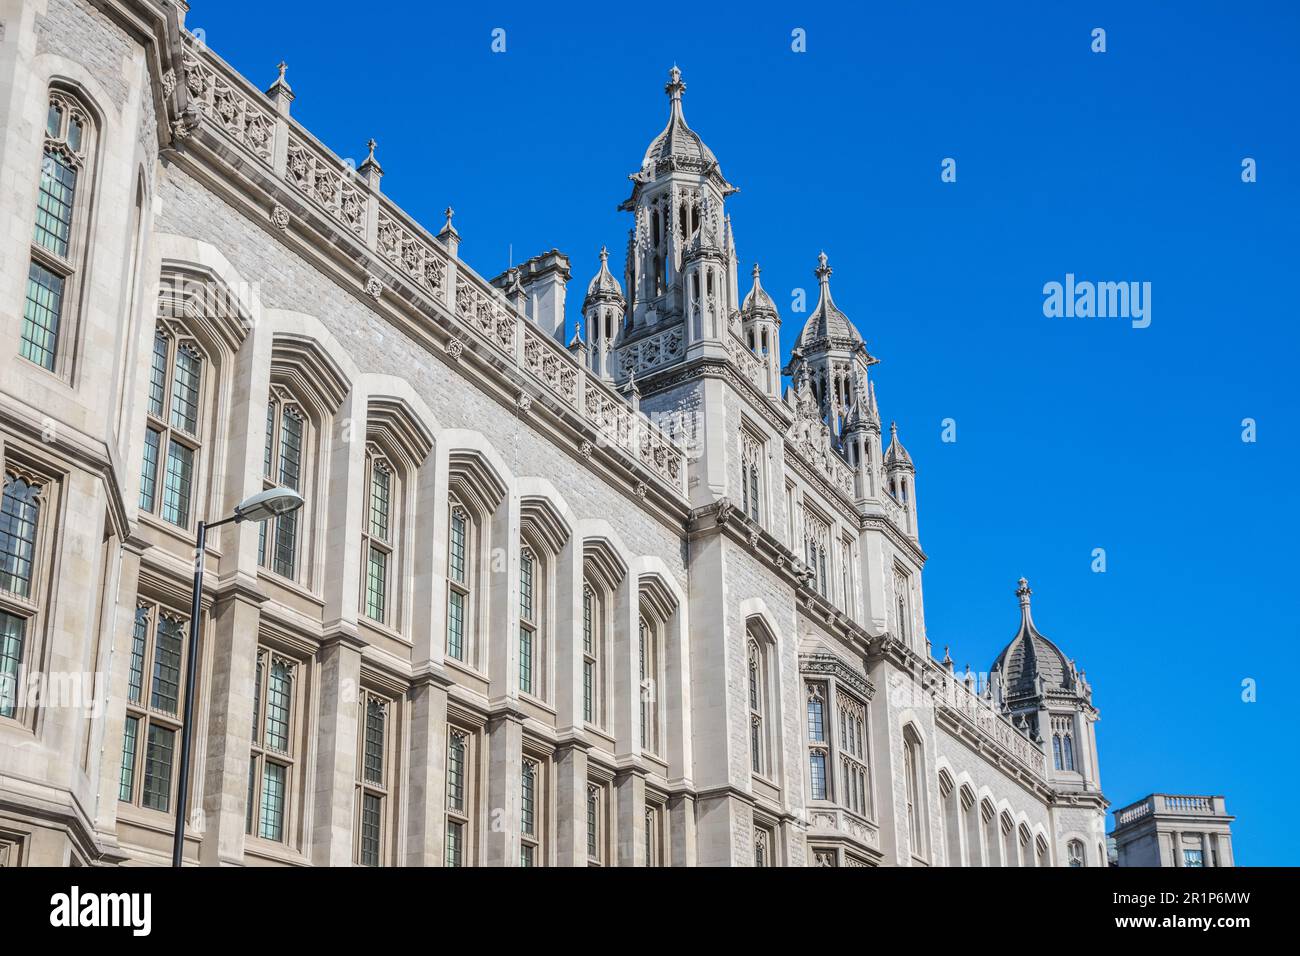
(992, 838)
(460, 581)
(855, 774)
(155, 702)
(284, 463)
(592, 638)
(272, 759)
(818, 743)
(380, 529)
(373, 772)
(172, 442)
(817, 536)
(529, 616)
(648, 668)
(751, 463)
(903, 605)
(1074, 853)
(21, 504)
(59, 235)
(914, 791)
(1067, 750)
(759, 750)
(531, 813)
(460, 797)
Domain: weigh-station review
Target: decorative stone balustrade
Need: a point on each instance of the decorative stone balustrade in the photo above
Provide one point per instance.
(980, 713)
(244, 116)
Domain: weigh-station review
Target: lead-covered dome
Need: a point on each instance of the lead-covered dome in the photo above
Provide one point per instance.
(1030, 656)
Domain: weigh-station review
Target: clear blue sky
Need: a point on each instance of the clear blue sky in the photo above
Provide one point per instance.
(1073, 434)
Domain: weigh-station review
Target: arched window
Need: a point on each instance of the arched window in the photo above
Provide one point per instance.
(381, 523)
(855, 774)
(818, 743)
(20, 514)
(154, 705)
(992, 840)
(1040, 848)
(756, 670)
(172, 437)
(951, 823)
(1074, 853)
(529, 618)
(1009, 841)
(648, 670)
(284, 463)
(59, 238)
(1026, 847)
(460, 580)
(751, 457)
(532, 813)
(276, 744)
(971, 826)
(902, 606)
(1056, 752)
(913, 788)
(460, 797)
(817, 535)
(593, 631)
(1067, 748)
(374, 816)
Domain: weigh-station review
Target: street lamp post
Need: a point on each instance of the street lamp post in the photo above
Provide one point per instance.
(260, 507)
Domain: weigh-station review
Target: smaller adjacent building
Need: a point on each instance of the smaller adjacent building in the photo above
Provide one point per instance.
(1169, 830)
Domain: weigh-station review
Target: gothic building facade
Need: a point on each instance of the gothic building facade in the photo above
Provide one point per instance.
(570, 586)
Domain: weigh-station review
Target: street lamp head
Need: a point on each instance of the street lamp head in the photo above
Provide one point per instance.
(268, 504)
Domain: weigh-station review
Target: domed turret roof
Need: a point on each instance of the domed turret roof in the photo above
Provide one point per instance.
(827, 325)
(603, 284)
(677, 141)
(896, 456)
(1030, 656)
(757, 301)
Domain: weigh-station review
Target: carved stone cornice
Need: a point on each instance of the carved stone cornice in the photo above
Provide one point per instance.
(824, 664)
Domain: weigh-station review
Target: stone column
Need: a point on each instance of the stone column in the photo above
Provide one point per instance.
(629, 807)
(427, 773)
(336, 751)
(571, 805)
(233, 629)
(1207, 854)
(504, 741)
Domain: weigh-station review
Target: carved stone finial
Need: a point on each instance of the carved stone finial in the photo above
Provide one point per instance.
(675, 87)
(823, 271)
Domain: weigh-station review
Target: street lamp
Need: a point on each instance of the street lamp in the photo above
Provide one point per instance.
(265, 504)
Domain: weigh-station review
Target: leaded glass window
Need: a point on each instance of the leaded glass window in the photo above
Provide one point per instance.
(272, 760)
(154, 705)
(172, 441)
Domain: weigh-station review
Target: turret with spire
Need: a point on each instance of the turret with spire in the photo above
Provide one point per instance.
(603, 309)
(761, 328)
(1035, 681)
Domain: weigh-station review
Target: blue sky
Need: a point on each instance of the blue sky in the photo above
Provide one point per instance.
(1072, 434)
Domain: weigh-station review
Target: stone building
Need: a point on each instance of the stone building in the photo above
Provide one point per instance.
(570, 586)
(1165, 829)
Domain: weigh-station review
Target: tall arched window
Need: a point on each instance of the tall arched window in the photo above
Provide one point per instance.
(971, 826)
(59, 238)
(284, 463)
(992, 841)
(381, 524)
(855, 776)
(817, 534)
(1067, 749)
(951, 824)
(1009, 841)
(460, 580)
(913, 786)
(1040, 848)
(460, 797)
(756, 671)
(902, 606)
(529, 616)
(374, 815)
(1057, 760)
(1074, 853)
(648, 670)
(818, 743)
(1026, 847)
(154, 705)
(20, 514)
(751, 457)
(592, 636)
(172, 437)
